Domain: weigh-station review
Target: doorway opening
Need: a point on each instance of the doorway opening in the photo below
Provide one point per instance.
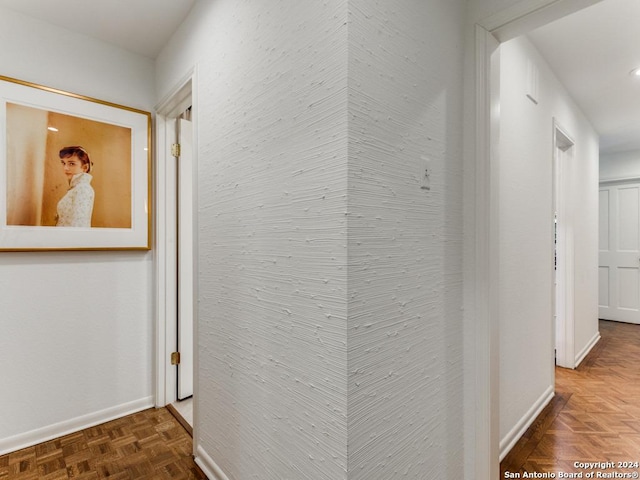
(486, 241)
(182, 151)
(563, 253)
(175, 255)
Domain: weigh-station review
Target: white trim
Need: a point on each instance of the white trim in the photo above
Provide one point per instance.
(165, 253)
(527, 15)
(178, 99)
(511, 438)
(196, 264)
(485, 374)
(607, 181)
(159, 271)
(208, 466)
(33, 437)
(585, 351)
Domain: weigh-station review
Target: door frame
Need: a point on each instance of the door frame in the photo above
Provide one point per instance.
(481, 217)
(181, 97)
(563, 294)
(186, 259)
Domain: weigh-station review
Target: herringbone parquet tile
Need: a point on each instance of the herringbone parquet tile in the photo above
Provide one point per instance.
(595, 415)
(146, 445)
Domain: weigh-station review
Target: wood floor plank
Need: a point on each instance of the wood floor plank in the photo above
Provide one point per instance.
(595, 415)
(146, 445)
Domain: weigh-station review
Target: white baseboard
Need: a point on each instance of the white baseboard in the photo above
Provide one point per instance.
(208, 466)
(585, 351)
(33, 437)
(507, 443)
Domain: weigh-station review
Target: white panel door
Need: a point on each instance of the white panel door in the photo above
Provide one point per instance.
(185, 260)
(619, 266)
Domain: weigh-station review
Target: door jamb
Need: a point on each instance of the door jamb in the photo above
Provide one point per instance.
(564, 331)
(166, 242)
(482, 268)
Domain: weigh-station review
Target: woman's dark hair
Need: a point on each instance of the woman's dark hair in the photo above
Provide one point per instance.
(79, 152)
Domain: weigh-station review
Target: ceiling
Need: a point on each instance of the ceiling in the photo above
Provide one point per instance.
(592, 52)
(141, 26)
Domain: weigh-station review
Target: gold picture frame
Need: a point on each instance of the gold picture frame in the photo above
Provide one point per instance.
(75, 172)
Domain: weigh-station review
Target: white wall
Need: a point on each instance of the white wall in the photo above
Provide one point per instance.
(404, 233)
(76, 327)
(526, 234)
(42, 53)
(285, 254)
(271, 115)
(209, 38)
(619, 165)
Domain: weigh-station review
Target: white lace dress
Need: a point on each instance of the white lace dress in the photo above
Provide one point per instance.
(76, 207)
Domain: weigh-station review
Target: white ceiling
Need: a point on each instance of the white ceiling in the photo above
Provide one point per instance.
(141, 26)
(592, 53)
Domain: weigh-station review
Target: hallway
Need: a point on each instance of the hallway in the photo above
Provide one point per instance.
(147, 445)
(594, 417)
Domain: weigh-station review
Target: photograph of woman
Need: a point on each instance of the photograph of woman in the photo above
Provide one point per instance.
(76, 207)
(84, 165)
(52, 186)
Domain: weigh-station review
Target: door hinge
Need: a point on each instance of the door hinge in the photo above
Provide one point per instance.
(175, 149)
(175, 358)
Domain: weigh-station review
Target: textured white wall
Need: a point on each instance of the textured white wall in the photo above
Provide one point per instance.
(620, 165)
(272, 181)
(405, 242)
(273, 211)
(526, 249)
(76, 341)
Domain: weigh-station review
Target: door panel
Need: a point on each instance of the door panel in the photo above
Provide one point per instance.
(628, 288)
(627, 219)
(619, 273)
(603, 287)
(604, 220)
(185, 260)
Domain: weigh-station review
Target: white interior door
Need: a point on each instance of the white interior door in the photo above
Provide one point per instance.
(185, 259)
(619, 244)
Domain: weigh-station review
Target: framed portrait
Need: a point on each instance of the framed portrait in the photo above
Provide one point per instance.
(74, 171)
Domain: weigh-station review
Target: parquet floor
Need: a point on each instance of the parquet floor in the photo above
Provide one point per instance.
(146, 445)
(594, 417)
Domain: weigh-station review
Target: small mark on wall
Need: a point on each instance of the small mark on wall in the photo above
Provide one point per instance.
(426, 180)
(426, 176)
